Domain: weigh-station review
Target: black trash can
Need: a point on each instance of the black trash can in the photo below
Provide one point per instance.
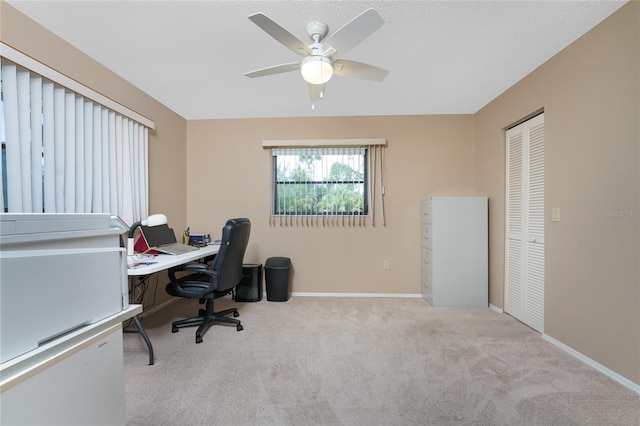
(277, 275)
(250, 287)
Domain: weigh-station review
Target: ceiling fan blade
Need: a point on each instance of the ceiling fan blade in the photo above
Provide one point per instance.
(283, 36)
(354, 32)
(354, 69)
(316, 91)
(276, 69)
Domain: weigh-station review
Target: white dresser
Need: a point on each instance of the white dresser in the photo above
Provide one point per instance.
(63, 297)
(455, 251)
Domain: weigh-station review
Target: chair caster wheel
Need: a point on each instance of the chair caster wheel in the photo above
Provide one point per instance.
(198, 339)
(239, 327)
(174, 329)
(236, 314)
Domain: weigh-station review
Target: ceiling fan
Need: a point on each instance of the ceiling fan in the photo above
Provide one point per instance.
(320, 62)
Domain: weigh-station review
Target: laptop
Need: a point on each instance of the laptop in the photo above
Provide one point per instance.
(162, 239)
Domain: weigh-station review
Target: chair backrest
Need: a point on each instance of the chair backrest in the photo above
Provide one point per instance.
(228, 261)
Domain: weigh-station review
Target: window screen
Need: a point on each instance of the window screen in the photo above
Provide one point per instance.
(320, 181)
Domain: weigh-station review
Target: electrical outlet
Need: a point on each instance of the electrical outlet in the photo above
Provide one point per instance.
(385, 264)
(555, 214)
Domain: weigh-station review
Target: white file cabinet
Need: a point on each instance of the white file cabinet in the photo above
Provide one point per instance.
(455, 251)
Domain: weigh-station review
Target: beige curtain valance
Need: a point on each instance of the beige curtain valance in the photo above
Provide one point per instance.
(325, 142)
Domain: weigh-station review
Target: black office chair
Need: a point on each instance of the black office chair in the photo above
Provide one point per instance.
(209, 282)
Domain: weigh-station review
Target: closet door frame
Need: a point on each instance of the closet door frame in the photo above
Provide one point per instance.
(524, 223)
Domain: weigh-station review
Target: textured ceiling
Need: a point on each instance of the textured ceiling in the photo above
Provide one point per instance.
(444, 57)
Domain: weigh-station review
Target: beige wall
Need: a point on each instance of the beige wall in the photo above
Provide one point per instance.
(590, 94)
(167, 142)
(229, 172)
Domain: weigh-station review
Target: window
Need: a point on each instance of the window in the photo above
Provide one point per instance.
(326, 182)
(67, 148)
(320, 181)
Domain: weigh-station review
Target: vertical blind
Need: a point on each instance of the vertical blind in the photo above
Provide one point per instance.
(63, 152)
(335, 185)
(326, 183)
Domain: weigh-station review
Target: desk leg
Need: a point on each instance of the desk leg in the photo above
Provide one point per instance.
(140, 330)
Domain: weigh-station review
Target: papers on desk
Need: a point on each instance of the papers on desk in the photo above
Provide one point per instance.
(163, 261)
(137, 265)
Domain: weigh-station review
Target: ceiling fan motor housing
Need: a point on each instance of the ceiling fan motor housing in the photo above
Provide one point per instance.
(317, 30)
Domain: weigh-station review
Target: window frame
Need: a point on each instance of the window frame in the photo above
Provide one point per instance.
(376, 181)
(276, 183)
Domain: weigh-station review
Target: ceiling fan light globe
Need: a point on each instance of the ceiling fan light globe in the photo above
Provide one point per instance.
(316, 69)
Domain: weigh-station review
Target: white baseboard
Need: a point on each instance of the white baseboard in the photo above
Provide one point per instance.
(496, 309)
(311, 294)
(302, 294)
(601, 368)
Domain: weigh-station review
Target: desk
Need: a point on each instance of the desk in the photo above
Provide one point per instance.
(162, 262)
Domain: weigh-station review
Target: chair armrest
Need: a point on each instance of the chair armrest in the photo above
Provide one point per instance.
(197, 267)
(189, 267)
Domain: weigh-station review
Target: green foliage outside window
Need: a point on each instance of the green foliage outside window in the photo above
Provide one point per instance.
(304, 186)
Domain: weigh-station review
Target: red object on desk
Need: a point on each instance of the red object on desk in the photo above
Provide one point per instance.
(141, 245)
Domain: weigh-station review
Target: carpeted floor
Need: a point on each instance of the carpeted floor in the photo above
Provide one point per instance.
(363, 361)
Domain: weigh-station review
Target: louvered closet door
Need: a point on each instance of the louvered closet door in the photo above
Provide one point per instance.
(524, 246)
